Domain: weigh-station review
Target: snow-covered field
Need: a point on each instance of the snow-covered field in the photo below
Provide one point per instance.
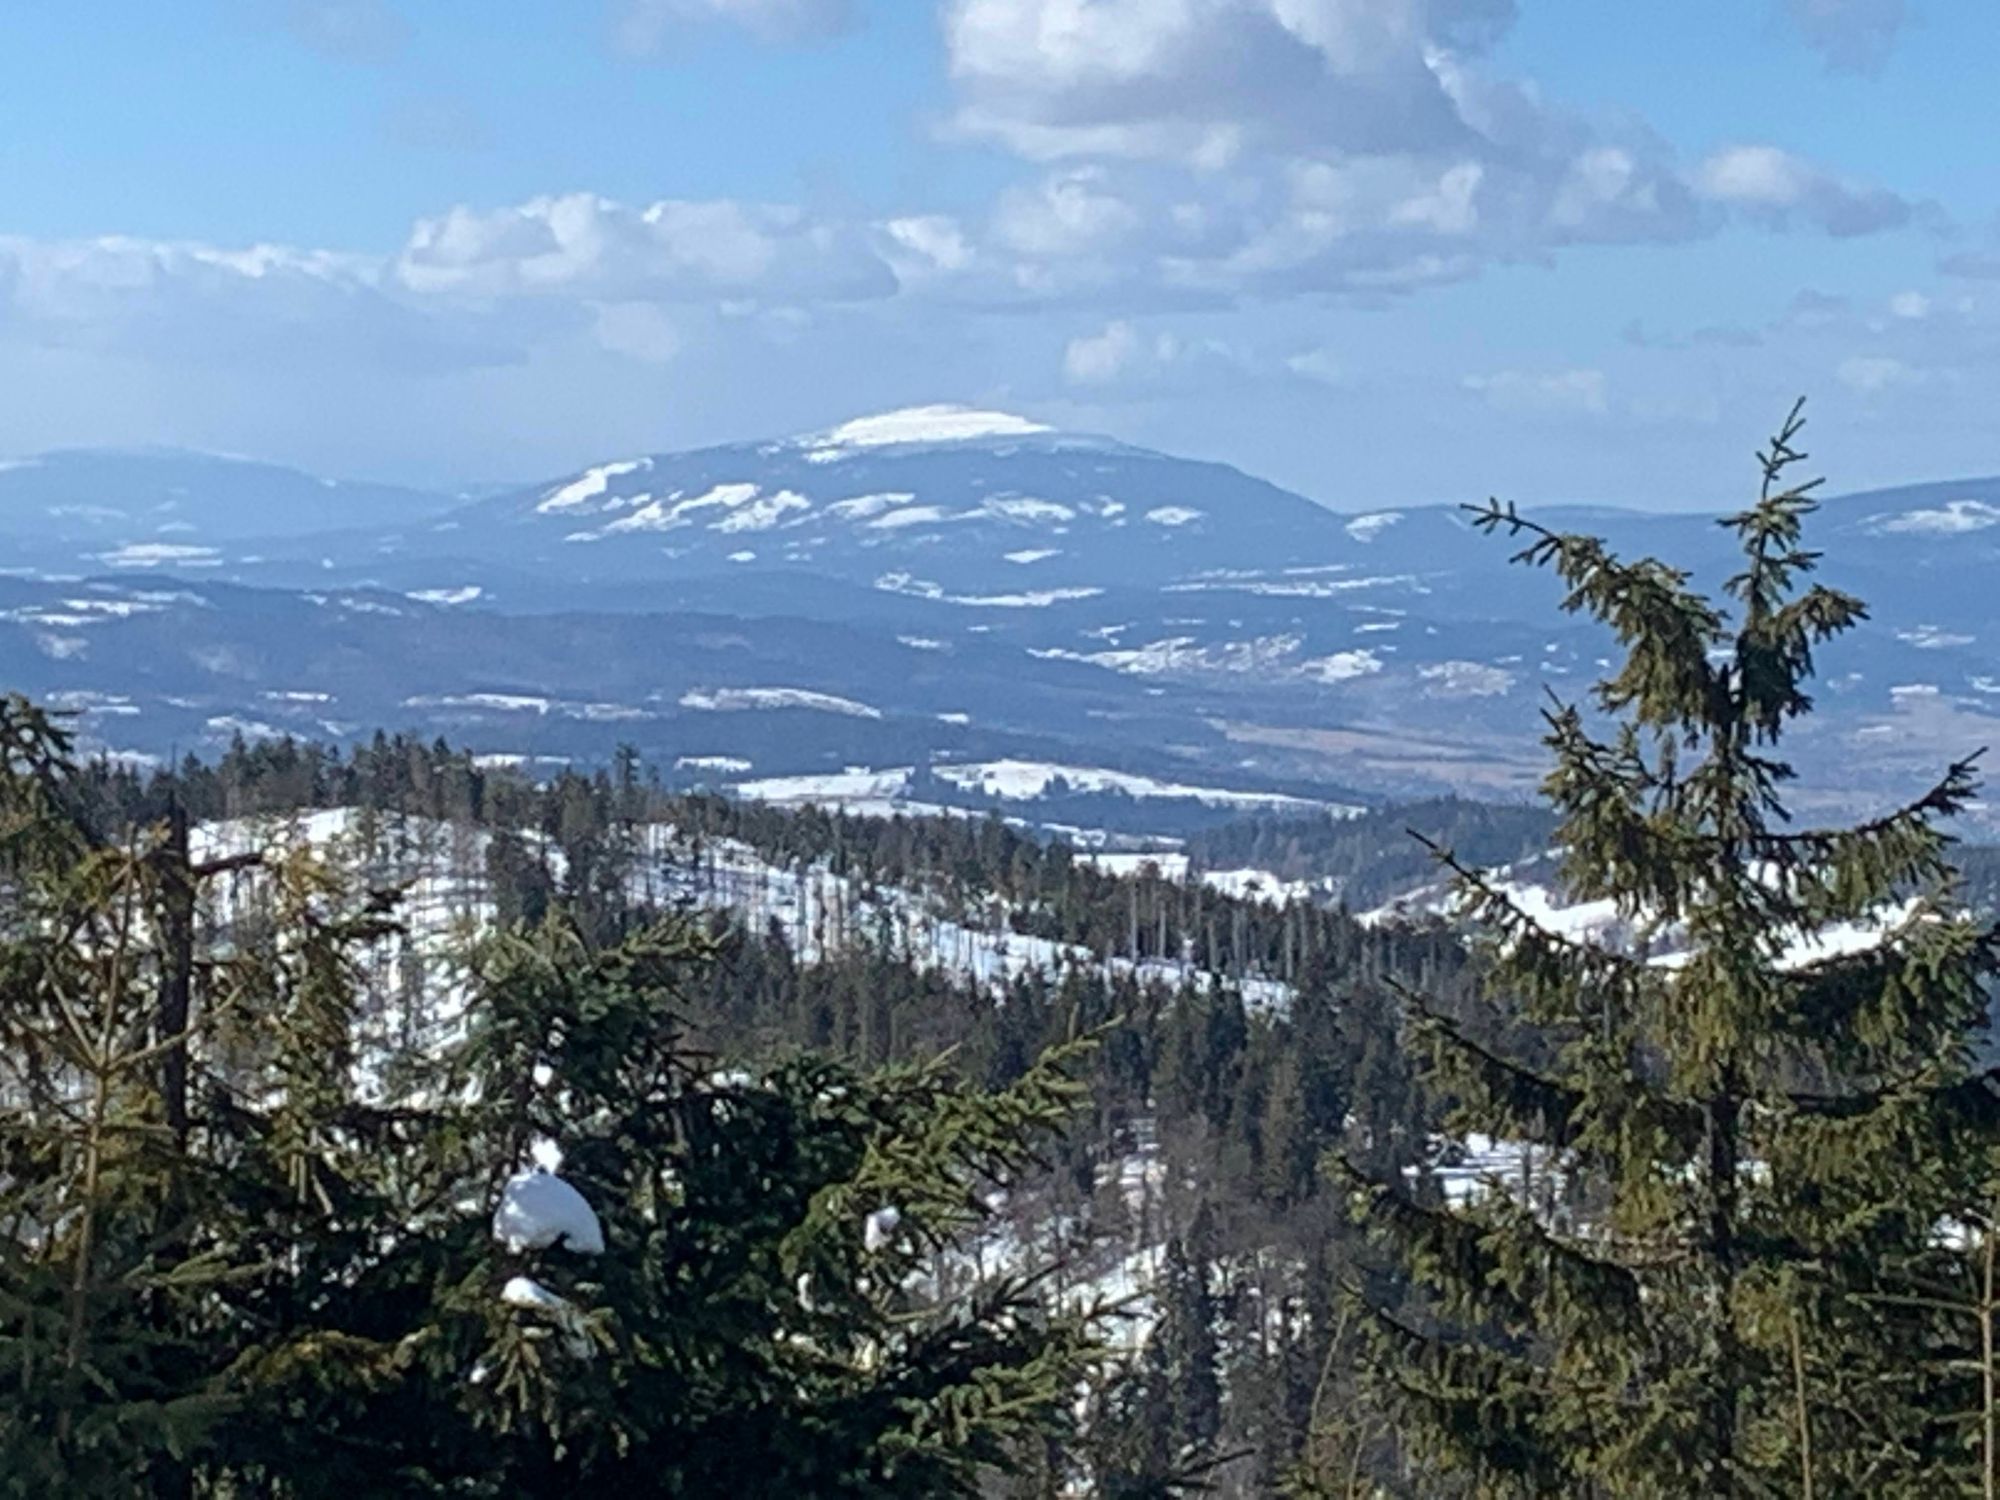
(867, 791)
(441, 869)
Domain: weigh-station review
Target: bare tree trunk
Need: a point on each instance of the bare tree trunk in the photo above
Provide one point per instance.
(1989, 1461)
(1804, 1413)
(177, 901)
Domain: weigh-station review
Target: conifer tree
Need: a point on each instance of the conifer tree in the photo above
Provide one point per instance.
(249, 1240)
(123, 1231)
(757, 1320)
(1758, 1135)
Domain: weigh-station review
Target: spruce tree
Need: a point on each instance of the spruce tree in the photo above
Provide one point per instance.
(1758, 1138)
(249, 1240)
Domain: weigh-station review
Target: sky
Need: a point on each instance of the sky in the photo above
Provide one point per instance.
(1380, 251)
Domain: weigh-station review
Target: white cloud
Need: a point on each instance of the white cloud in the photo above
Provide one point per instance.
(1368, 148)
(1564, 392)
(203, 303)
(1852, 35)
(926, 243)
(1100, 358)
(1911, 305)
(1066, 215)
(1124, 354)
(1780, 188)
(1870, 374)
(1321, 366)
(469, 288)
(1201, 82)
(583, 245)
(645, 26)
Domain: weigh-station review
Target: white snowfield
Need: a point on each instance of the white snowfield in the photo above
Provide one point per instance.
(924, 588)
(1367, 528)
(1242, 885)
(1027, 780)
(885, 792)
(588, 486)
(743, 700)
(416, 980)
(943, 423)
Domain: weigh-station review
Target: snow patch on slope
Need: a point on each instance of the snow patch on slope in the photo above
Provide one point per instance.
(943, 423)
(743, 700)
(587, 486)
(1954, 518)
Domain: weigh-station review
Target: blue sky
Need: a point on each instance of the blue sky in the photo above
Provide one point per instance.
(1384, 251)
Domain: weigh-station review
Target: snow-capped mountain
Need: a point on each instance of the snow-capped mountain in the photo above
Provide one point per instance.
(972, 508)
(915, 590)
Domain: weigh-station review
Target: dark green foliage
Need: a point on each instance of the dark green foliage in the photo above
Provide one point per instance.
(1745, 1154)
(1369, 859)
(295, 1289)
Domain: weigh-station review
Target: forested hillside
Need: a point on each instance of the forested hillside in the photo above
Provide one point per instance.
(1235, 1042)
(386, 1119)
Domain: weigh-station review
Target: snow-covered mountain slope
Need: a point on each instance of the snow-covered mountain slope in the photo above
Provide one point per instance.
(978, 510)
(440, 868)
(937, 585)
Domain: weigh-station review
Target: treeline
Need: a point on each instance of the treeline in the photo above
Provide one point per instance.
(1371, 858)
(1190, 1176)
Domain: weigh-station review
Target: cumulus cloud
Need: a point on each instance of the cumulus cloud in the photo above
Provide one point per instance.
(1069, 214)
(1854, 36)
(1201, 83)
(1774, 185)
(1369, 149)
(469, 287)
(1124, 355)
(1100, 358)
(581, 245)
(200, 303)
(644, 26)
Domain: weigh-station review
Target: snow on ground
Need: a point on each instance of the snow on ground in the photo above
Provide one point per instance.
(727, 764)
(1027, 780)
(857, 784)
(673, 512)
(917, 424)
(924, 588)
(1367, 528)
(1259, 885)
(742, 700)
(1469, 1169)
(1298, 588)
(587, 486)
(160, 555)
(441, 869)
(762, 514)
(906, 515)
